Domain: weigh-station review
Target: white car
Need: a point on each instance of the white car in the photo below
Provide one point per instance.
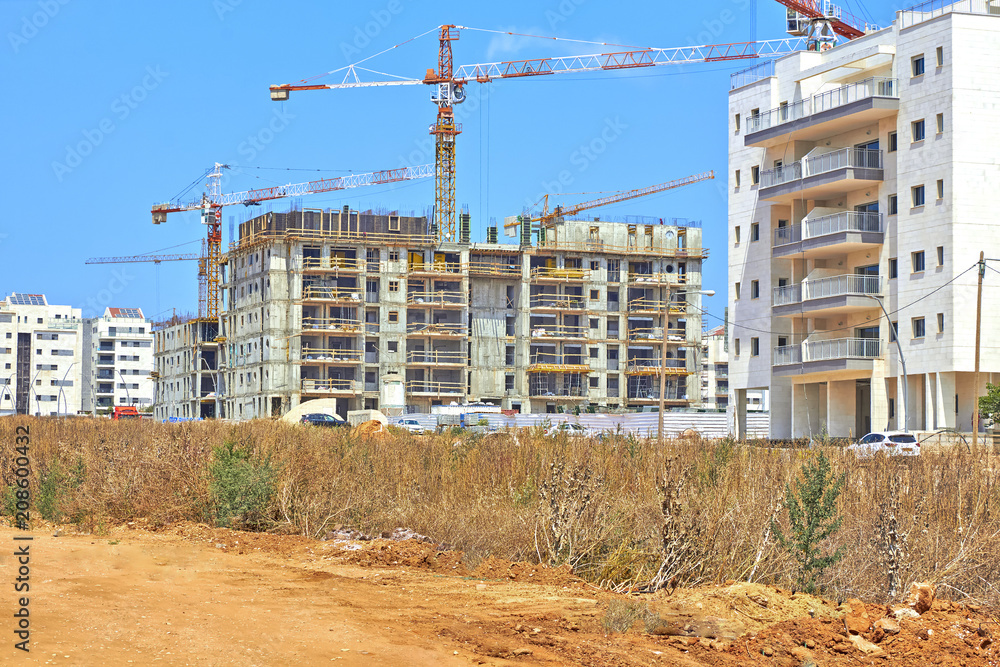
(411, 425)
(892, 443)
(572, 430)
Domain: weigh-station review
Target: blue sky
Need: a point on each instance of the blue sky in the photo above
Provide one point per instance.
(113, 106)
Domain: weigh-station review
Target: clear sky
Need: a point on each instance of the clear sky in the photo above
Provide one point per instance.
(112, 106)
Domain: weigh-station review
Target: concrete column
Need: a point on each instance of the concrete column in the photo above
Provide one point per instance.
(841, 404)
(929, 392)
(739, 407)
(946, 400)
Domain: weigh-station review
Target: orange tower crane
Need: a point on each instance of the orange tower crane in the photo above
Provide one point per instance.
(213, 200)
(449, 82)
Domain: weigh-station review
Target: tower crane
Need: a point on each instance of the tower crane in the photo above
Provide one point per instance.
(821, 21)
(549, 218)
(213, 200)
(448, 83)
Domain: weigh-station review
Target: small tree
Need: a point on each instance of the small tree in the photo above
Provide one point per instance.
(812, 515)
(989, 405)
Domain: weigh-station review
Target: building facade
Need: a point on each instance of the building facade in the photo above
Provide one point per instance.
(40, 356)
(715, 375)
(860, 200)
(186, 370)
(576, 316)
(117, 360)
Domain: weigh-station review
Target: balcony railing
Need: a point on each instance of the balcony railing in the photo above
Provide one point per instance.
(787, 234)
(830, 99)
(825, 350)
(332, 264)
(657, 305)
(435, 357)
(641, 366)
(332, 324)
(332, 355)
(332, 293)
(440, 329)
(560, 301)
(862, 158)
(434, 267)
(312, 386)
(845, 221)
(552, 273)
(559, 331)
(655, 334)
(441, 298)
(429, 387)
(846, 285)
(508, 270)
(658, 278)
(926, 11)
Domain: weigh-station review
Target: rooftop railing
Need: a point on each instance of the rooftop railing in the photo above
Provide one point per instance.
(926, 11)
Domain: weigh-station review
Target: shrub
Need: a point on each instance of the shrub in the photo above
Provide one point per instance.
(241, 487)
(812, 513)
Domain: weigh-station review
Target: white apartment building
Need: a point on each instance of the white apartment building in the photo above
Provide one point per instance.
(864, 177)
(118, 360)
(40, 356)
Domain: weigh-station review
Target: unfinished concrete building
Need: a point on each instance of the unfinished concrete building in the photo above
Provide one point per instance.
(329, 304)
(186, 370)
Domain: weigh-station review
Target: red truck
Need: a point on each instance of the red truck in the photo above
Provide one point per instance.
(125, 412)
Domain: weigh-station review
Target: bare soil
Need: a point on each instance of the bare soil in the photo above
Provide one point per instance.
(190, 594)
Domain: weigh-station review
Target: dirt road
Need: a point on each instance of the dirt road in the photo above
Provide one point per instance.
(193, 595)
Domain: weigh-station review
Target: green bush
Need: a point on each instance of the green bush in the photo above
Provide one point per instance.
(241, 486)
(50, 489)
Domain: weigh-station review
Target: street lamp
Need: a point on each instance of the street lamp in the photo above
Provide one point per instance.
(62, 394)
(902, 362)
(663, 352)
(128, 396)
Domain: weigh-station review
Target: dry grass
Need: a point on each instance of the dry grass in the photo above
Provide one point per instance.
(625, 513)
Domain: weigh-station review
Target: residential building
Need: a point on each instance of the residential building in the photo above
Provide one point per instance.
(872, 169)
(715, 375)
(186, 370)
(574, 316)
(40, 356)
(117, 360)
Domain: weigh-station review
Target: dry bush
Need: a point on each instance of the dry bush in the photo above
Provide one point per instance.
(635, 516)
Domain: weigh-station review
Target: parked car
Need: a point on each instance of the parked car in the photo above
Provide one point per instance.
(411, 425)
(572, 430)
(322, 419)
(891, 443)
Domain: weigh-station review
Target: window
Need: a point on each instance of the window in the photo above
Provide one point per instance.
(939, 53)
(893, 331)
(917, 194)
(508, 382)
(893, 143)
(940, 319)
(737, 119)
(918, 65)
(940, 123)
(593, 352)
(393, 315)
(918, 327)
(393, 223)
(595, 295)
(940, 255)
(594, 382)
(918, 261)
(754, 175)
(754, 289)
(736, 347)
(940, 188)
(755, 347)
(393, 255)
(595, 265)
(393, 346)
(917, 130)
(755, 232)
(893, 267)
(737, 175)
(892, 408)
(594, 323)
(737, 291)
(393, 285)
(737, 234)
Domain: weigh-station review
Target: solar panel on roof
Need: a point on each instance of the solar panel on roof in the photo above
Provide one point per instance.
(129, 312)
(19, 299)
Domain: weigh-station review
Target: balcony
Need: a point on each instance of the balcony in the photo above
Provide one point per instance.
(331, 356)
(835, 234)
(650, 335)
(330, 386)
(827, 297)
(559, 331)
(848, 107)
(439, 299)
(442, 329)
(646, 305)
(335, 264)
(822, 176)
(436, 357)
(552, 274)
(557, 302)
(550, 362)
(495, 269)
(434, 388)
(836, 359)
(341, 294)
(673, 396)
(434, 268)
(545, 387)
(649, 366)
(331, 324)
(657, 278)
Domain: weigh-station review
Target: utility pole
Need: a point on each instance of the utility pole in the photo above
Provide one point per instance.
(975, 376)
